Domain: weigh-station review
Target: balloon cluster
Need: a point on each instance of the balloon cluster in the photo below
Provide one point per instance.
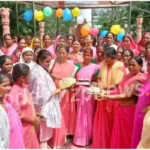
(115, 29)
(38, 15)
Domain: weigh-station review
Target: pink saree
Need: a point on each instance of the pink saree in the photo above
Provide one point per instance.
(124, 117)
(10, 51)
(67, 104)
(141, 45)
(143, 102)
(52, 48)
(16, 132)
(21, 100)
(85, 107)
(132, 46)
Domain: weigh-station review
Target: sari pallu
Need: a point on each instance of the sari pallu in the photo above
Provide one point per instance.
(67, 104)
(141, 46)
(21, 100)
(124, 117)
(4, 129)
(85, 107)
(145, 138)
(9, 52)
(16, 130)
(143, 102)
(104, 116)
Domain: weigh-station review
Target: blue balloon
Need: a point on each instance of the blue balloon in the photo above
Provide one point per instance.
(103, 33)
(120, 36)
(28, 15)
(67, 15)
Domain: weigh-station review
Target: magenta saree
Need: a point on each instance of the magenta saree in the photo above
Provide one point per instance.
(85, 107)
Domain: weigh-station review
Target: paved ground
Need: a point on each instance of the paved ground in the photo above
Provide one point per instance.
(70, 145)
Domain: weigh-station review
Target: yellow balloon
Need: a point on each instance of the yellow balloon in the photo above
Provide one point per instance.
(39, 16)
(122, 30)
(85, 30)
(115, 29)
(76, 12)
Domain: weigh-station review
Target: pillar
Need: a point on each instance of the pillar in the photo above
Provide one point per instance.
(41, 25)
(5, 12)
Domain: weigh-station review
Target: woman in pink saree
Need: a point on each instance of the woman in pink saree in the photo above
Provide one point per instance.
(143, 41)
(47, 44)
(111, 74)
(126, 56)
(129, 43)
(143, 102)
(21, 100)
(61, 68)
(75, 55)
(13, 128)
(10, 47)
(85, 103)
(126, 94)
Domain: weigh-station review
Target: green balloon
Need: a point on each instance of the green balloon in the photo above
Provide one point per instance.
(47, 11)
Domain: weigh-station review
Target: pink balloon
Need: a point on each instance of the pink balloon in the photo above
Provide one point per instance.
(94, 31)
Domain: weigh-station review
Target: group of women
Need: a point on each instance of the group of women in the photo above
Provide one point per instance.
(36, 112)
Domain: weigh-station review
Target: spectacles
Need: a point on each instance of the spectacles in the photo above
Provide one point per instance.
(70, 39)
(126, 55)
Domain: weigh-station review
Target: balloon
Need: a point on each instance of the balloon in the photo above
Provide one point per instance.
(47, 11)
(120, 36)
(85, 30)
(94, 31)
(67, 15)
(59, 13)
(115, 29)
(39, 16)
(28, 15)
(122, 30)
(103, 33)
(80, 19)
(76, 12)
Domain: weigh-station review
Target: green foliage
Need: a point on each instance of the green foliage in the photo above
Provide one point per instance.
(106, 17)
(27, 28)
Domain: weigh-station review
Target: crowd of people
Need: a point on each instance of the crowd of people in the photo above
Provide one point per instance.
(35, 112)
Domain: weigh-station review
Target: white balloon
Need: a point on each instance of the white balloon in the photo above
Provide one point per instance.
(35, 11)
(80, 19)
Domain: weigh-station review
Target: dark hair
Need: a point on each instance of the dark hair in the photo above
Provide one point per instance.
(17, 37)
(63, 46)
(89, 50)
(2, 76)
(130, 51)
(94, 40)
(143, 52)
(43, 54)
(35, 49)
(110, 52)
(100, 45)
(20, 70)
(148, 43)
(45, 36)
(62, 37)
(138, 59)
(21, 39)
(72, 37)
(119, 47)
(3, 59)
(8, 35)
(111, 34)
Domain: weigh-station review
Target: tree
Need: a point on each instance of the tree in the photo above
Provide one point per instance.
(104, 18)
